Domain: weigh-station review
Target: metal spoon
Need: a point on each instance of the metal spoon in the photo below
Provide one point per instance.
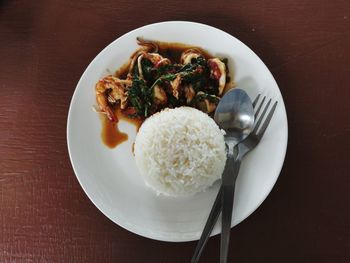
(235, 115)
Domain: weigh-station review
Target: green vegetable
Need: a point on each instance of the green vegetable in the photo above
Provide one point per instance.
(140, 97)
(167, 77)
(147, 69)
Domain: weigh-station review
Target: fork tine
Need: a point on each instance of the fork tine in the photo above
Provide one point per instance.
(256, 100)
(259, 108)
(267, 121)
(261, 117)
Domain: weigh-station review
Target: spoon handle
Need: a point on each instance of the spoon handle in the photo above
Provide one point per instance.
(208, 228)
(228, 185)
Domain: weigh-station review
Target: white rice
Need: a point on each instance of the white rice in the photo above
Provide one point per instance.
(180, 151)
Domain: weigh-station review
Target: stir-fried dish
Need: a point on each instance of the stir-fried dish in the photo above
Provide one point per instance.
(162, 75)
(155, 82)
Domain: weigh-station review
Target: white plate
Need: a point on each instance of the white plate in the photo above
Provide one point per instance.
(109, 176)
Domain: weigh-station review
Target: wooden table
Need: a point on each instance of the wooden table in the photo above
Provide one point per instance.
(45, 46)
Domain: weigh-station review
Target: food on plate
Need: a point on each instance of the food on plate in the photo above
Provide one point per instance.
(180, 151)
(161, 75)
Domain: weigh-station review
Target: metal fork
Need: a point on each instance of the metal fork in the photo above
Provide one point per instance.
(242, 149)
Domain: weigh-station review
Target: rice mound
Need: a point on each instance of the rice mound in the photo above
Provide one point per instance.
(180, 151)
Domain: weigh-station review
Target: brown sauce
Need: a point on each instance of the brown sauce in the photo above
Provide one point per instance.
(133, 148)
(136, 122)
(122, 72)
(111, 135)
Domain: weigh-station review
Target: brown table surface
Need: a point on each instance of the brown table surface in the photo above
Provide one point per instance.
(45, 46)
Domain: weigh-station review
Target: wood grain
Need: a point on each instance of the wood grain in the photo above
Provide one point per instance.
(46, 45)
